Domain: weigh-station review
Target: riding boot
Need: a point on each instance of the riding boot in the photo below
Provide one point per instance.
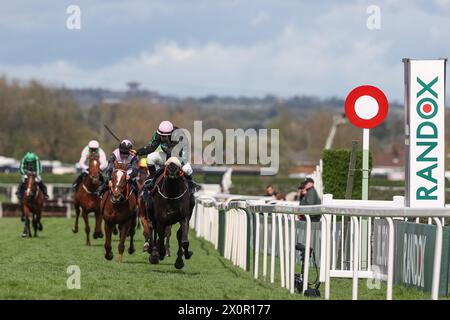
(102, 189)
(193, 187)
(19, 192)
(135, 187)
(77, 181)
(43, 187)
(151, 171)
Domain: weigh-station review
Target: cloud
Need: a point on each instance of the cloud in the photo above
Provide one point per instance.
(326, 53)
(260, 18)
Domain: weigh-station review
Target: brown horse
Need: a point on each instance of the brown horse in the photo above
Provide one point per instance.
(87, 198)
(32, 202)
(119, 206)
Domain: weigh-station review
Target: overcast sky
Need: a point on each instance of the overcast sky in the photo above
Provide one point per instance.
(234, 47)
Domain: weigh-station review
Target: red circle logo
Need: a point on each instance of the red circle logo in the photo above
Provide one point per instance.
(374, 119)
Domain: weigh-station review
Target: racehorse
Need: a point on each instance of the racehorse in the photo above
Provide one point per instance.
(145, 212)
(32, 202)
(119, 206)
(87, 198)
(171, 205)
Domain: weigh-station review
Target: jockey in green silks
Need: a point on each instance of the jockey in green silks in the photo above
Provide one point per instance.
(31, 162)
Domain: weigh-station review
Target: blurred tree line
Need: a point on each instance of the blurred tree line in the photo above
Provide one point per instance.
(49, 122)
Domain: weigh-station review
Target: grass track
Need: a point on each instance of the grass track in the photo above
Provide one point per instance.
(36, 269)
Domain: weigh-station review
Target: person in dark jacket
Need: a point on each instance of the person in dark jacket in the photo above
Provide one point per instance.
(309, 196)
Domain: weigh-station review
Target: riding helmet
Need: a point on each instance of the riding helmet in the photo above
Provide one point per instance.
(165, 128)
(125, 146)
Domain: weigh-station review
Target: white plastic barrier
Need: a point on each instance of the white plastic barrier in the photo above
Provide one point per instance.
(238, 211)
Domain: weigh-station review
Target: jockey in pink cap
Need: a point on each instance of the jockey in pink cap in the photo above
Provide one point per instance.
(159, 149)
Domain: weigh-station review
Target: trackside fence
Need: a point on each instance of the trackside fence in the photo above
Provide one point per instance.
(256, 232)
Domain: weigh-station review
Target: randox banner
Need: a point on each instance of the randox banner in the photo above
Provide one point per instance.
(414, 256)
(425, 133)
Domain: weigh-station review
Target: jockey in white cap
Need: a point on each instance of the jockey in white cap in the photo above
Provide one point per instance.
(92, 147)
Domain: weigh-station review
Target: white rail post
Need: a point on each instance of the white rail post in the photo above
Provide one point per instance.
(286, 248)
(333, 243)
(256, 231)
(437, 260)
(342, 242)
(265, 246)
(327, 254)
(307, 250)
(272, 252)
(281, 247)
(292, 253)
(68, 213)
(390, 266)
(355, 257)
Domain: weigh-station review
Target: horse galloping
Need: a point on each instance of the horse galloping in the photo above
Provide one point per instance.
(32, 202)
(171, 205)
(87, 198)
(119, 207)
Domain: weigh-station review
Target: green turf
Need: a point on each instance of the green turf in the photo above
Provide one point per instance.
(36, 269)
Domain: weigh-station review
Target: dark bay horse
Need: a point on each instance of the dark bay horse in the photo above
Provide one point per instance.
(32, 202)
(145, 212)
(171, 205)
(119, 207)
(87, 198)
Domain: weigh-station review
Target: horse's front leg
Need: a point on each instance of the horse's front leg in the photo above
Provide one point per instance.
(35, 225)
(179, 262)
(184, 238)
(77, 215)
(108, 235)
(87, 227)
(124, 228)
(161, 247)
(26, 222)
(131, 249)
(98, 224)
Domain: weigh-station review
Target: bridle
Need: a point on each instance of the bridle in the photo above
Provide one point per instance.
(167, 176)
(127, 190)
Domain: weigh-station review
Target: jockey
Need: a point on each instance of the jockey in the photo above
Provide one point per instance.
(92, 147)
(122, 155)
(159, 149)
(31, 162)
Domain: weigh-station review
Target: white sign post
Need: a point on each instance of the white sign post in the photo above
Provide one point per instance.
(425, 133)
(366, 107)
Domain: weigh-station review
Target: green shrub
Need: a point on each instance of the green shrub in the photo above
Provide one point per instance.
(335, 171)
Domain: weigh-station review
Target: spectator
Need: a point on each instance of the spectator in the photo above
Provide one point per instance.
(309, 196)
(270, 191)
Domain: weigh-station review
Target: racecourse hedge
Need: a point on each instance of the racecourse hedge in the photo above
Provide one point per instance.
(335, 171)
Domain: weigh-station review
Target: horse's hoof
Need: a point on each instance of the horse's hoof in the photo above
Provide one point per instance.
(74, 230)
(153, 259)
(131, 250)
(146, 247)
(179, 263)
(40, 227)
(120, 258)
(88, 243)
(188, 254)
(24, 235)
(109, 256)
(161, 257)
